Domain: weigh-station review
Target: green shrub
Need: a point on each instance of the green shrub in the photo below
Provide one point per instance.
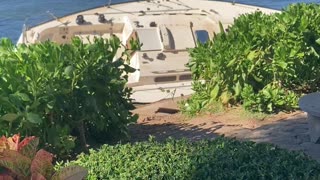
(274, 57)
(63, 93)
(180, 159)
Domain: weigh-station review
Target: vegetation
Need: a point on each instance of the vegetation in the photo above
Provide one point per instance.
(21, 160)
(64, 94)
(264, 62)
(71, 93)
(180, 159)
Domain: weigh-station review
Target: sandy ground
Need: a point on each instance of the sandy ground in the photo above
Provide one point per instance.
(163, 119)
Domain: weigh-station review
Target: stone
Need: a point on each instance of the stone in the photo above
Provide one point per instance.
(314, 127)
(310, 103)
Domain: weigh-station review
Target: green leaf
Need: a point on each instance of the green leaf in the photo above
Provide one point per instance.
(68, 71)
(10, 117)
(283, 64)
(23, 96)
(129, 69)
(270, 107)
(315, 52)
(231, 63)
(300, 55)
(214, 93)
(237, 89)
(257, 78)
(251, 55)
(34, 118)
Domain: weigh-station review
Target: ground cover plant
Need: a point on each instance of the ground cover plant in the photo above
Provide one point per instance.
(221, 158)
(64, 94)
(264, 62)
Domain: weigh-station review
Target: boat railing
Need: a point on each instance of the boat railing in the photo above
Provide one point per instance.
(51, 16)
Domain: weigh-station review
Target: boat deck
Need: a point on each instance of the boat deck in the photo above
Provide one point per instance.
(135, 11)
(165, 28)
(164, 67)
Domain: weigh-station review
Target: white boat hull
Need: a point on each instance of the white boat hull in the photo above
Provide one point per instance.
(157, 92)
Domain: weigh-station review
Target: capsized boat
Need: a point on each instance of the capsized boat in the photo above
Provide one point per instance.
(166, 28)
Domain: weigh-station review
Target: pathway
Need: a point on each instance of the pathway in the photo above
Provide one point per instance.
(161, 120)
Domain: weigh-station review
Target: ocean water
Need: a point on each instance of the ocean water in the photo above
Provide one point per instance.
(15, 13)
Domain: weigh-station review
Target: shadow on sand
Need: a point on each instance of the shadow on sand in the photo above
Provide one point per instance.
(290, 133)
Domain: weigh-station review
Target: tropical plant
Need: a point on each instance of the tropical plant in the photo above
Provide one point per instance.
(264, 68)
(65, 93)
(21, 160)
(13, 143)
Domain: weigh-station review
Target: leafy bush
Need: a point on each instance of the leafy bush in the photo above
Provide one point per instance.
(64, 92)
(180, 159)
(21, 160)
(264, 61)
(269, 99)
